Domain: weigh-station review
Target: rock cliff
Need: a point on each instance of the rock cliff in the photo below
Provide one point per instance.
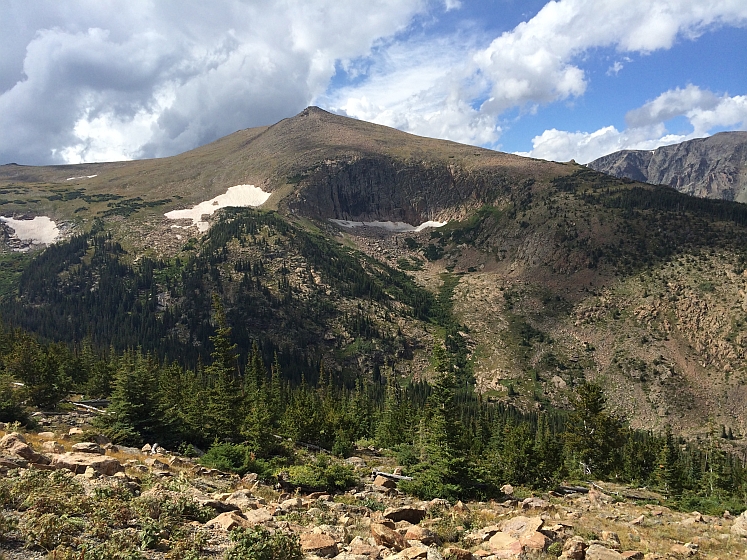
(713, 167)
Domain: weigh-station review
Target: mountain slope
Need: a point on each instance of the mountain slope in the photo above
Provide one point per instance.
(713, 167)
(546, 274)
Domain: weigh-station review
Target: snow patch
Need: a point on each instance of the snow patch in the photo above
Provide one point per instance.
(391, 226)
(240, 195)
(39, 231)
(84, 177)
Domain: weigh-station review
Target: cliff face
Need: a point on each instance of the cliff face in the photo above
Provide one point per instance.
(373, 188)
(714, 167)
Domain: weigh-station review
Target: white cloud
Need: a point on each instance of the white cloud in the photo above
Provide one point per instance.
(153, 79)
(455, 89)
(417, 87)
(647, 126)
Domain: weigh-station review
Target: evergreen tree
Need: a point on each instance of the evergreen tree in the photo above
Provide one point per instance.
(134, 412)
(592, 434)
(669, 474)
(223, 411)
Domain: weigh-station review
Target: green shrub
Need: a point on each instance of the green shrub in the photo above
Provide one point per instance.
(259, 544)
(322, 475)
(237, 458)
(50, 530)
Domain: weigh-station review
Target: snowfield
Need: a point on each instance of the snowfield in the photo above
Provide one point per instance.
(40, 230)
(398, 227)
(240, 195)
(83, 177)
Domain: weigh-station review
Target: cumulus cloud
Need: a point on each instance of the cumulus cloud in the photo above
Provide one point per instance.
(153, 79)
(536, 63)
(646, 130)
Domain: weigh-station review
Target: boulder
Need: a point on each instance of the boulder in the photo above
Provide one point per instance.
(574, 549)
(507, 489)
(503, 545)
(359, 547)
(228, 520)
(535, 503)
(421, 534)
(14, 462)
(414, 553)
(384, 536)
(410, 514)
(519, 525)
(258, 516)
(46, 435)
(534, 542)
(75, 432)
(482, 535)
(599, 552)
(15, 444)
(319, 544)
(79, 462)
(384, 482)
(242, 500)
(458, 553)
(633, 555)
(291, 503)
(88, 447)
(357, 462)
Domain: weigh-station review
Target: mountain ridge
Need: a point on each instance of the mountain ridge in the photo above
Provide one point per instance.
(712, 167)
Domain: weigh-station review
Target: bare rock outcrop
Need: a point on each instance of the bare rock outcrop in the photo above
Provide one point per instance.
(710, 167)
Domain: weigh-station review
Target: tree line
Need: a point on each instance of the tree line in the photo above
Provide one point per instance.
(452, 442)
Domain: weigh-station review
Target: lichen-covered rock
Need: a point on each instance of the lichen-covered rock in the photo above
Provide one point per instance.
(599, 552)
(79, 462)
(520, 525)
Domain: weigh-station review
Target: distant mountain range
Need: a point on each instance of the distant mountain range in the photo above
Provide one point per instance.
(713, 167)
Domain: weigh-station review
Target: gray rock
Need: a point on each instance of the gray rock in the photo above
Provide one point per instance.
(88, 447)
(705, 167)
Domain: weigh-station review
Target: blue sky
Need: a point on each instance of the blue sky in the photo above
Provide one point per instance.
(98, 80)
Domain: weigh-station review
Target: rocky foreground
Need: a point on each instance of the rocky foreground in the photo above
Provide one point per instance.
(100, 493)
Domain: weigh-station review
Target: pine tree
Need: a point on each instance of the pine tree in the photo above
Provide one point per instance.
(592, 434)
(223, 406)
(669, 474)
